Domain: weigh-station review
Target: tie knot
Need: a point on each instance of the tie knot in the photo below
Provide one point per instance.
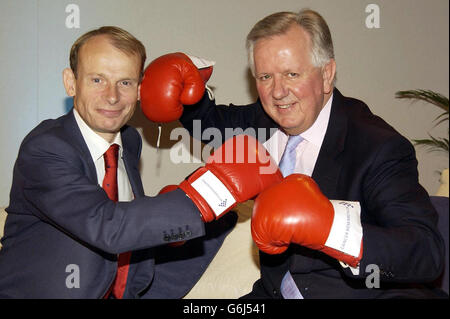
(111, 155)
(293, 141)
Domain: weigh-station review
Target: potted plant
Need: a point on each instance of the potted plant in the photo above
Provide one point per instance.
(432, 143)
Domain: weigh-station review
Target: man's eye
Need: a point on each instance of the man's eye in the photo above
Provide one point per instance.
(96, 80)
(293, 75)
(126, 83)
(264, 77)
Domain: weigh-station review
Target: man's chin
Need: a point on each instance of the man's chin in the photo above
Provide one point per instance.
(290, 128)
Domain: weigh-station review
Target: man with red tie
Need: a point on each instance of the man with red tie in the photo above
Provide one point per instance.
(350, 203)
(79, 224)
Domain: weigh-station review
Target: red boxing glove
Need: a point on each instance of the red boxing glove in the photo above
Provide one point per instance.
(167, 189)
(169, 82)
(295, 211)
(237, 171)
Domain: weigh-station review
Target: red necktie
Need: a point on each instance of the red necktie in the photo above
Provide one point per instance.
(110, 187)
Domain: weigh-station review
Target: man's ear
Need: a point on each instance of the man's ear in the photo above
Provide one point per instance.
(328, 74)
(69, 81)
(139, 92)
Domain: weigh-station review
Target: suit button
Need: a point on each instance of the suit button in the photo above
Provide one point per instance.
(275, 292)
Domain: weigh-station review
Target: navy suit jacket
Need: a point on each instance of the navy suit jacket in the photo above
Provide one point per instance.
(61, 226)
(362, 159)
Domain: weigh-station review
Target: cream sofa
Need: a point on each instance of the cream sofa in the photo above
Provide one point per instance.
(443, 189)
(235, 268)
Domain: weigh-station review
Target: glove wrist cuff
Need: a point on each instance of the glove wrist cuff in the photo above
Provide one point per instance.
(209, 194)
(345, 239)
(205, 211)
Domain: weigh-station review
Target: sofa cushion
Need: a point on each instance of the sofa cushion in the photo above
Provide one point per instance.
(235, 268)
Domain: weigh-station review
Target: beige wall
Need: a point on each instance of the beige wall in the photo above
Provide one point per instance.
(408, 51)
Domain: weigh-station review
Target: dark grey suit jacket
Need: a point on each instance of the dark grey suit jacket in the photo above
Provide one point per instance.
(362, 159)
(60, 221)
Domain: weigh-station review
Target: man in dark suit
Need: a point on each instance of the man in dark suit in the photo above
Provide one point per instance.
(354, 157)
(79, 224)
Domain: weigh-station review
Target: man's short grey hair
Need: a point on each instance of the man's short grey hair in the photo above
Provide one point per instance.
(279, 23)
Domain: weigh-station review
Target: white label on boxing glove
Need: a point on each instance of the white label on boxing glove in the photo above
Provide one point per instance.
(346, 230)
(214, 192)
(201, 63)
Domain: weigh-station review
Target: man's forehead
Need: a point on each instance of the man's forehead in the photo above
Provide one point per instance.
(97, 42)
(101, 50)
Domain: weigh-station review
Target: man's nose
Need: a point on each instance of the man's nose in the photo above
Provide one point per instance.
(112, 94)
(279, 88)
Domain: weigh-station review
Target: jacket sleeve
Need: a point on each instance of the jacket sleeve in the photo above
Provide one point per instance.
(192, 258)
(59, 192)
(400, 235)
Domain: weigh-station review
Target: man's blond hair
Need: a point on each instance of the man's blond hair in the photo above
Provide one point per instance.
(279, 23)
(119, 38)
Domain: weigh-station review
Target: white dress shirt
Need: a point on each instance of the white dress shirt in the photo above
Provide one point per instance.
(308, 150)
(97, 146)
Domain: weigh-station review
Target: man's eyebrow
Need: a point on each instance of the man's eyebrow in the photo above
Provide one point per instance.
(129, 78)
(96, 74)
(126, 78)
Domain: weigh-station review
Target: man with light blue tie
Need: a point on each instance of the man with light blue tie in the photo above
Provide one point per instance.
(349, 176)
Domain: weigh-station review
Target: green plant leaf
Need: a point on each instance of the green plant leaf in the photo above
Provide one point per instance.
(439, 100)
(434, 144)
(425, 95)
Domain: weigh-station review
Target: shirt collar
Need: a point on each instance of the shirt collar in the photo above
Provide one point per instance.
(96, 144)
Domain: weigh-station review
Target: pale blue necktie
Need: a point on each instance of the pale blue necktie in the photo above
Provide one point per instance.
(287, 162)
(289, 289)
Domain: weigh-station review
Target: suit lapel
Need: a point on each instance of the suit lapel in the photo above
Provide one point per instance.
(131, 160)
(77, 140)
(328, 167)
